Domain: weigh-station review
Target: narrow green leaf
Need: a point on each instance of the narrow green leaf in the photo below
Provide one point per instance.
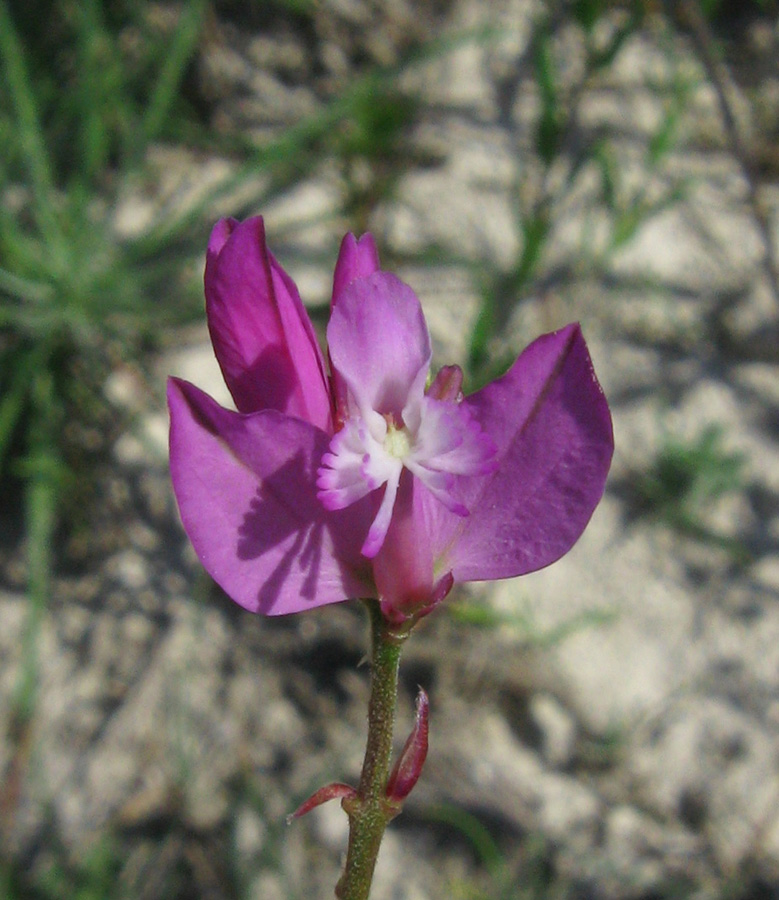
(30, 133)
(172, 71)
(549, 127)
(94, 82)
(42, 470)
(25, 363)
(587, 12)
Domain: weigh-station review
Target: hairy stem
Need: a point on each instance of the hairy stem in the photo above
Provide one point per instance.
(369, 811)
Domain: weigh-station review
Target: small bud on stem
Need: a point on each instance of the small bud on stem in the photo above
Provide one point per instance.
(408, 768)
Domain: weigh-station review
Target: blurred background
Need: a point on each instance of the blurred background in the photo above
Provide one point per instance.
(608, 728)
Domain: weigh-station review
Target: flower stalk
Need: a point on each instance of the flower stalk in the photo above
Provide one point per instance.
(370, 810)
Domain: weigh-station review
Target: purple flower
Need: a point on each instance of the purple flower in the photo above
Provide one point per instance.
(374, 481)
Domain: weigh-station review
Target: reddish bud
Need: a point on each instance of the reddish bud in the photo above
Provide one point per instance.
(408, 768)
(328, 792)
(405, 619)
(447, 384)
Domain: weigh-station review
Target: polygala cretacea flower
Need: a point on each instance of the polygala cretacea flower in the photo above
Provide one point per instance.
(363, 476)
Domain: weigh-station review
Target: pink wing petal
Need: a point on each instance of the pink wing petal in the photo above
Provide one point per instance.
(245, 486)
(379, 343)
(357, 258)
(552, 427)
(262, 336)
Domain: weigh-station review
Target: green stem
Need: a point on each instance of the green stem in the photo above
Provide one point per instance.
(369, 811)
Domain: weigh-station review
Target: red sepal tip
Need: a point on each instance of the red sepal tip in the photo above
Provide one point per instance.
(328, 792)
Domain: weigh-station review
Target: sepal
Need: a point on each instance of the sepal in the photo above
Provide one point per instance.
(408, 768)
(334, 791)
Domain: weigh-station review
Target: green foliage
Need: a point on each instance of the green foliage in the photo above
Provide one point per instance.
(529, 878)
(485, 847)
(76, 128)
(564, 157)
(550, 119)
(714, 8)
(690, 475)
(686, 478)
(91, 878)
(77, 116)
(369, 144)
(522, 621)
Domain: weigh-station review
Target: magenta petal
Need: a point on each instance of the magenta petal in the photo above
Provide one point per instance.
(262, 336)
(357, 258)
(552, 427)
(379, 343)
(245, 485)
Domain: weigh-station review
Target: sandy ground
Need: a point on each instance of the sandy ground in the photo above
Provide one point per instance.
(616, 732)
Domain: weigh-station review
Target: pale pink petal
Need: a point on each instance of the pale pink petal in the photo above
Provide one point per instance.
(379, 343)
(450, 439)
(357, 258)
(245, 485)
(381, 522)
(341, 476)
(440, 485)
(448, 442)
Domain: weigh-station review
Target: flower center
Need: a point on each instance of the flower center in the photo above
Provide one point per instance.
(397, 441)
(441, 442)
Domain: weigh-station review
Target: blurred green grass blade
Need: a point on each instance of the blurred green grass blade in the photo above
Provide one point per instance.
(587, 12)
(477, 835)
(172, 71)
(549, 128)
(603, 157)
(635, 215)
(24, 288)
(661, 142)
(41, 470)
(99, 84)
(483, 331)
(42, 321)
(40, 506)
(293, 147)
(481, 615)
(24, 365)
(603, 58)
(29, 132)
(535, 231)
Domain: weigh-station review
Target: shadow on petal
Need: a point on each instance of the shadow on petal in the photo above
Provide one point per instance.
(297, 539)
(269, 382)
(246, 488)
